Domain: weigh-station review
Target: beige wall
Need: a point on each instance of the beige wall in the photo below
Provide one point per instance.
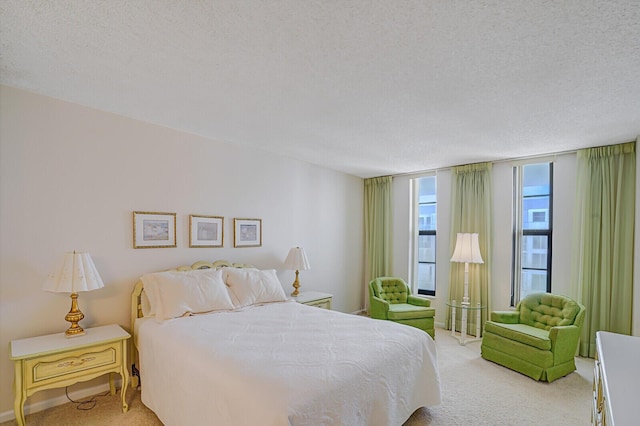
(71, 176)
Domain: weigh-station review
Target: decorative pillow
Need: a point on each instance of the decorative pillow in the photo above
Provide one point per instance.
(145, 304)
(226, 269)
(173, 294)
(148, 295)
(251, 286)
(225, 273)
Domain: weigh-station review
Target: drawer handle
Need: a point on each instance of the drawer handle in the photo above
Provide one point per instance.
(76, 364)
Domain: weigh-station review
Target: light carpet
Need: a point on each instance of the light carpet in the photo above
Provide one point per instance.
(474, 392)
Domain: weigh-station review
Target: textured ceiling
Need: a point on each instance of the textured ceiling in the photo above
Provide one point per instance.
(366, 87)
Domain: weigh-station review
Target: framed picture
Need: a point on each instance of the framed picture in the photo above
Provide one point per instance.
(247, 232)
(206, 231)
(154, 230)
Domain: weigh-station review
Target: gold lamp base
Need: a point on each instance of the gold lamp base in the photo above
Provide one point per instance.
(296, 285)
(73, 317)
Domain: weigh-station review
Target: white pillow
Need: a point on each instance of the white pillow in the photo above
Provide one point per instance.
(226, 269)
(145, 304)
(251, 286)
(173, 294)
(149, 293)
(225, 273)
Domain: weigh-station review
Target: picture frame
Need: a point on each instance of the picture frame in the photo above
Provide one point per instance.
(154, 230)
(206, 231)
(247, 232)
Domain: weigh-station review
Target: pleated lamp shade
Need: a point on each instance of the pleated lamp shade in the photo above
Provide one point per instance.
(78, 273)
(297, 260)
(467, 249)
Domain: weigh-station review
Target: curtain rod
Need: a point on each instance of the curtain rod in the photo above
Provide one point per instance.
(504, 160)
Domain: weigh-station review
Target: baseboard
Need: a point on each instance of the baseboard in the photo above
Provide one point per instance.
(440, 325)
(359, 312)
(59, 400)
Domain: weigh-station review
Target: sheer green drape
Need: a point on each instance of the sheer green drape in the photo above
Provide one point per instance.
(377, 229)
(471, 202)
(602, 261)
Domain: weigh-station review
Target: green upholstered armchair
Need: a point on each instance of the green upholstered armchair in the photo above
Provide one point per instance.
(538, 339)
(390, 298)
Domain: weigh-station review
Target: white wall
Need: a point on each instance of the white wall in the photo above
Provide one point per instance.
(564, 188)
(71, 176)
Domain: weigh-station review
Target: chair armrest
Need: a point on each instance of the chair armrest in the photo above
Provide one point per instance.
(418, 301)
(564, 341)
(378, 307)
(506, 317)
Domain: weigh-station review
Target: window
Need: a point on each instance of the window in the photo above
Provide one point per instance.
(425, 265)
(538, 216)
(533, 204)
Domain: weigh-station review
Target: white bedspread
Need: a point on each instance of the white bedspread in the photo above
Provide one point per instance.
(285, 364)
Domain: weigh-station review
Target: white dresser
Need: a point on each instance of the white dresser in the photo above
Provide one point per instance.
(616, 380)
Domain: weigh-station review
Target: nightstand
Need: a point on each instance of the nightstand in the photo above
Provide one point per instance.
(56, 361)
(315, 298)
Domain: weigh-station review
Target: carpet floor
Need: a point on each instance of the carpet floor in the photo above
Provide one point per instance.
(474, 392)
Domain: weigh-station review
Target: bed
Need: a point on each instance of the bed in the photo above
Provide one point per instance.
(271, 362)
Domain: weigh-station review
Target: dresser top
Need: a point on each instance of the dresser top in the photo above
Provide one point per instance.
(52, 343)
(619, 355)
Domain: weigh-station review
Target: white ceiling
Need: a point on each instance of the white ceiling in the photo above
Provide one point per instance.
(366, 87)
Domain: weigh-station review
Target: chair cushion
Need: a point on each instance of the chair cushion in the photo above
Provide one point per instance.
(402, 311)
(526, 334)
(544, 310)
(391, 289)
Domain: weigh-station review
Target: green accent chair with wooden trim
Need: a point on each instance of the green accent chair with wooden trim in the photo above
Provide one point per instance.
(390, 299)
(538, 339)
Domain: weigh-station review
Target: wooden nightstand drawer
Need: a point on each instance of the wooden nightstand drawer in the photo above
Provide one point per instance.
(315, 298)
(322, 303)
(69, 364)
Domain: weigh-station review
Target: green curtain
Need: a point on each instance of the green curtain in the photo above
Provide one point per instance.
(377, 229)
(471, 202)
(602, 261)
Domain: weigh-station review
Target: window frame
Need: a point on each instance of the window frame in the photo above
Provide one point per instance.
(417, 233)
(418, 262)
(518, 231)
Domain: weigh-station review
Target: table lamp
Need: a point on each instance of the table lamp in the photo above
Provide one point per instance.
(468, 251)
(296, 260)
(78, 273)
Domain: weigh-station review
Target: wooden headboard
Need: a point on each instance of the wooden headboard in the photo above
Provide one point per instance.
(136, 304)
